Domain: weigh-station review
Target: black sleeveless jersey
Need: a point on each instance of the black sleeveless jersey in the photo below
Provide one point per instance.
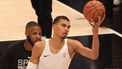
(15, 56)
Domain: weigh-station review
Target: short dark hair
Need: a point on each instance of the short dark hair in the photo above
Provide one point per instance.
(31, 24)
(57, 19)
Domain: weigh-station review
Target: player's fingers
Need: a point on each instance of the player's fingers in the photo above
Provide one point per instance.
(99, 20)
(103, 18)
(91, 23)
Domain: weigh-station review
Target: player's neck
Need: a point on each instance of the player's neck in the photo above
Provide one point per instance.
(57, 41)
(28, 46)
(56, 45)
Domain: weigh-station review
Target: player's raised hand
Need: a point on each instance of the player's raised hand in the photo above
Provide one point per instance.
(97, 24)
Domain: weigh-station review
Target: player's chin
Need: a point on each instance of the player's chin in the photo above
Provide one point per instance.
(64, 36)
(37, 40)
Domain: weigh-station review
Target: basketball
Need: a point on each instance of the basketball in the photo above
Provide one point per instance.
(94, 9)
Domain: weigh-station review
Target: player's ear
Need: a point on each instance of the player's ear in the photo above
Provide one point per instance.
(26, 32)
(54, 26)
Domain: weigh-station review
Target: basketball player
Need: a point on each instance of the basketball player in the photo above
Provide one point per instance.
(43, 9)
(57, 52)
(17, 54)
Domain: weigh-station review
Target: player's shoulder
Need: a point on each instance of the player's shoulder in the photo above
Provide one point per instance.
(15, 45)
(39, 45)
(72, 41)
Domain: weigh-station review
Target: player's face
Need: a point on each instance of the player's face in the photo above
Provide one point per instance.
(62, 28)
(34, 35)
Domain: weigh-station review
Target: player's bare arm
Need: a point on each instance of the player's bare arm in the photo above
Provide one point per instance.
(36, 52)
(76, 46)
(93, 53)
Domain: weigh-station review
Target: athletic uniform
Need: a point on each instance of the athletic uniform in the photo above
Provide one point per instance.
(48, 60)
(15, 56)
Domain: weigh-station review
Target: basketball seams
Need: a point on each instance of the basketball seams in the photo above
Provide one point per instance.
(89, 6)
(98, 11)
(89, 12)
(101, 7)
(93, 9)
(97, 6)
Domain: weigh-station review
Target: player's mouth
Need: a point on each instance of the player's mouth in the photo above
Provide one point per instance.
(65, 34)
(37, 40)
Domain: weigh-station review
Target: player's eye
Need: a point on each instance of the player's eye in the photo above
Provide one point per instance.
(63, 25)
(34, 33)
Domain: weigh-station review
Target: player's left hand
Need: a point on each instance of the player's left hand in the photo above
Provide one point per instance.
(100, 20)
(95, 25)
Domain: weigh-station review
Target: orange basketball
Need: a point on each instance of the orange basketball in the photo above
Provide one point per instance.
(94, 9)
